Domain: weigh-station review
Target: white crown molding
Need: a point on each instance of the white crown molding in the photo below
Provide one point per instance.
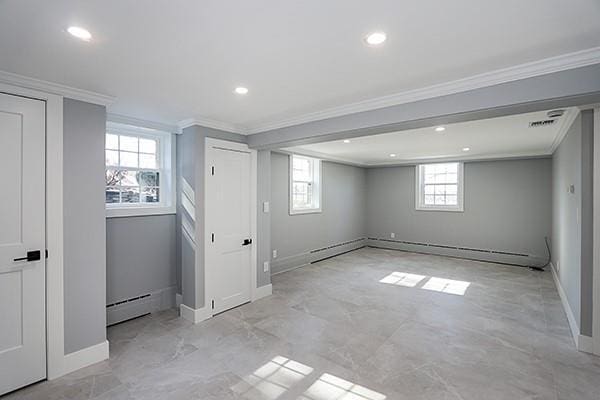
(522, 71)
(142, 123)
(55, 88)
(211, 123)
(565, 124)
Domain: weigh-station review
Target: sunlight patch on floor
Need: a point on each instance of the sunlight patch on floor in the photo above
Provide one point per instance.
(272, 379)
(435, 284)
(330, 387)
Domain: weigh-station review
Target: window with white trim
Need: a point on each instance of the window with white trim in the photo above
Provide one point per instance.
(138, 172)
(305, 184)
(439, 187)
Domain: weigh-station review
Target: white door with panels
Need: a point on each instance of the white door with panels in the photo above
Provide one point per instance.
(22, 242)
(228, 225)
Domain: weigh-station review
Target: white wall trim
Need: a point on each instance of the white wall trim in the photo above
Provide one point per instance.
(86, 357)
(55, 88)
(523, 71)
(596, 235)
(195, 315)
(567, 307)
(262, 291)
(210, 123)
(585, 344)
(565, 124)
(138, 122)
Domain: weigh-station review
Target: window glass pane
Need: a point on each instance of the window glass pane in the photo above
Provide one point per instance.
(112, 157)
(452, 178)
(429, 200)
(129, 178)
(112, 141)
(129, 143)
(113, 177)
(147, 146)
(113, 195)
(130, 194)
(440, 189)
(429, 189)
(129, 159)
(147, 161)
(302, 169)
(451, 200)
(429, 178)
(439, 200)
(451, 189)
(150, 195)
(147, 178)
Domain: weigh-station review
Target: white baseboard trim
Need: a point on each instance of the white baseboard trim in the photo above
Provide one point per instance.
(195, 315)
(85, 357)
(178, 299)
(586, 344)
(263, 291)
(565, 303)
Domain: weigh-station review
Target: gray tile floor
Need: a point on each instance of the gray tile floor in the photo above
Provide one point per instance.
(368, 325)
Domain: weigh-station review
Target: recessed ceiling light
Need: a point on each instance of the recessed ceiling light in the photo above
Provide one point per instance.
(440, 129)
(376, 38)
(80, 33)
(466, 148)
(392, 155)
(241, 90)
(346, 141)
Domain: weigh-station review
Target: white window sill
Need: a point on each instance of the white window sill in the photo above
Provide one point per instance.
(309, 211)
(446, 209)
(117, 212)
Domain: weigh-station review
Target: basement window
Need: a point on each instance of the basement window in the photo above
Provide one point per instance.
(439, 187)
(305, 185)
(139, 172)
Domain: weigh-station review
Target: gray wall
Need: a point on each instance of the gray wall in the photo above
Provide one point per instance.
(507, 208)
(342, 218)
(84, 225)
(140, 255)
(572, 165)
(263, 221)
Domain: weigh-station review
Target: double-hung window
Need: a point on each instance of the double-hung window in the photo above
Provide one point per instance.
(305, 185)
(139, 172)
(439, 187)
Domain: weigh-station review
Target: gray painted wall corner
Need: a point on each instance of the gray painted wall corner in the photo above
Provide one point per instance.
(84, 224)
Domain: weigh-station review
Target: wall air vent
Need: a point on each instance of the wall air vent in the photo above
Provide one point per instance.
(538, 124)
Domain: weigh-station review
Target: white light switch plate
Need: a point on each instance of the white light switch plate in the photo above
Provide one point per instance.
(274, 253)
(393, 235)
(266, 266)
(266, 207)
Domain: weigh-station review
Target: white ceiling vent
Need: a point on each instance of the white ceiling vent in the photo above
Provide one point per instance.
(544, 122)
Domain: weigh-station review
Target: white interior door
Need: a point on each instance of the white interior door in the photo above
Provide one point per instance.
(229, 226)
(22, 234)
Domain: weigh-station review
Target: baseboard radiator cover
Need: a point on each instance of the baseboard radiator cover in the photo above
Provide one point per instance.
(284, 264)
(472, 253)
(137, 306)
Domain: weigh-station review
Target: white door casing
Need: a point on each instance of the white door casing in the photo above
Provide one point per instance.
(596, 236)
(230, 209)
(22, 230)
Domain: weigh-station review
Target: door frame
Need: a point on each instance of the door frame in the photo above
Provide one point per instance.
(596, 235)
(208, 253)
(55, 335)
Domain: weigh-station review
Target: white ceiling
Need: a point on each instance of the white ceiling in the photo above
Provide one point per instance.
(169, 60)
(494, 138)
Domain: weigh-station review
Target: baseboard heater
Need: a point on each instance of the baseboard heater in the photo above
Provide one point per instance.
(333, 246)
(441, 246)
(137, 306)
